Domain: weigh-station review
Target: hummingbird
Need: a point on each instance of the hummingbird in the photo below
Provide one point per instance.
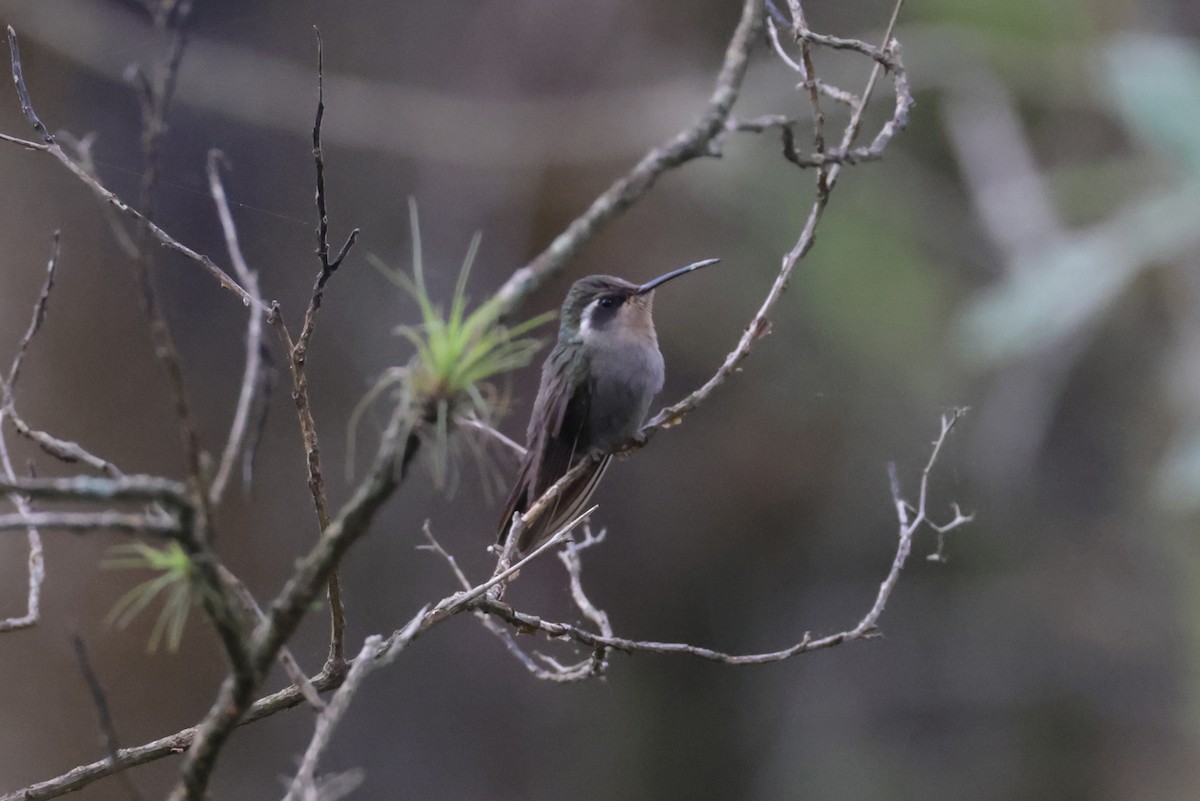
(596, 388)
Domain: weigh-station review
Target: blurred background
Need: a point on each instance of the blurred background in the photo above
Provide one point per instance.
(1027, 248)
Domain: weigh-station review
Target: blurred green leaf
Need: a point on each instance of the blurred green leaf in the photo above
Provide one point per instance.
(1052, 292)
(1154, 82)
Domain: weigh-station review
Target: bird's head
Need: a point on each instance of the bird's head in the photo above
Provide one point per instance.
(606, 306)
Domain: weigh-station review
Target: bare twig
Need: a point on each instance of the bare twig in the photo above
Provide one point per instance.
(36, 565)
(377, 651)
(298, 356)
(51, 146)
(39, 316)
(910, 518)
(887, 56)
(499, 629)
(268, 378)
(107, 728)
(472, 421)
(596, 663)
(880, 55)
(286, 659)
(570, 557)
(222, 606)
(808, 79)
(691, 143)
(239, 429)
(156, 92)
(136, 489)
(171, 745)
(36, 570)
(237, 692)
(759, 325)
(436, 547)
(81, 148)
(456, 603)
(373, 655)
(90, 521)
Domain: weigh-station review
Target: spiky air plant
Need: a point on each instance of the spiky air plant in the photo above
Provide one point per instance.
(458, 353)
(175, 580)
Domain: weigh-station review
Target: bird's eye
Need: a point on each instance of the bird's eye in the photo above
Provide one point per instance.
(607, 302)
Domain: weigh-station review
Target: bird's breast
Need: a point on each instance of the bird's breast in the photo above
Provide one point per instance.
(625, 377)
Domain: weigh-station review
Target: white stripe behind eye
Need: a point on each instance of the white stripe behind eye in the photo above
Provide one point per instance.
(585, 321)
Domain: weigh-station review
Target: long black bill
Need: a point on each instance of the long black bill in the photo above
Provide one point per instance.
(662, 279)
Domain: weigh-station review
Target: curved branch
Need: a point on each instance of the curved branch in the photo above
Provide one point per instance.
(697, 140)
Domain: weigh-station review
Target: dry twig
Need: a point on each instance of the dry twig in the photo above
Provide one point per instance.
(239, 429)
(36, 565)
(697, 140)
(910, 516)
(298, 357)
(49, 144)
(100, 700)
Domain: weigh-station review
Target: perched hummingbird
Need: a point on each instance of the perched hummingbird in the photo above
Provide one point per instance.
(596, 389)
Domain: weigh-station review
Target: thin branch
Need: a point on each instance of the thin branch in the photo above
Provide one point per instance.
(25, 143)
(693, 142)
(328, 267)
(36, 565)
(808, 78)
(502, 632)
(268, 378)
(472, 421)
(389, 470)
(156, 94)
(51, 146)
(377, 651)
(90, 521)
(61, 449)
(219, 602)
(573, 562)
(436, 547)
(298, 357)
(372, 656)
(866, 628)
(286, 659)
(171, 745)
(36, 570)
(39, 316)
(87, 489)
(759, 325)
(107, 728)
(134, 488)
(239, 429)
(82, 154)
(887, 56)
